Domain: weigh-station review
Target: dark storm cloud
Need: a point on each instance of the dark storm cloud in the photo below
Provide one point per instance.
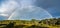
(52, 6)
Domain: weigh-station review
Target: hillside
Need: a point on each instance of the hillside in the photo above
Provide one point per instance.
(45, 23)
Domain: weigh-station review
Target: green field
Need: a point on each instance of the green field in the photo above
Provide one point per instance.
(45, 23)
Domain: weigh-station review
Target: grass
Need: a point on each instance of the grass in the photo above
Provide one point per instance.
(26, 24)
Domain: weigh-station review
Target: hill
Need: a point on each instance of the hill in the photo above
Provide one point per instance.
(45, 23)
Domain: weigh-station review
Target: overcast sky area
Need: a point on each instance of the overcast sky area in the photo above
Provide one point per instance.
(29, 9)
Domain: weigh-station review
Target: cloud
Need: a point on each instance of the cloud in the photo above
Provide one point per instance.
(4, 15)
(23, 9)
(52, 6)
(8, 7)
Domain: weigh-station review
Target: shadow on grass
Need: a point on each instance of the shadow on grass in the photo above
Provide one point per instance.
(33, 26)
(19, 26)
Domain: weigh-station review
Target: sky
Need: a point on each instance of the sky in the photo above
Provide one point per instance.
(29, 9)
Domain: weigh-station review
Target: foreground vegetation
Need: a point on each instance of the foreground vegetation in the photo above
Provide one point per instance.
(45, 23)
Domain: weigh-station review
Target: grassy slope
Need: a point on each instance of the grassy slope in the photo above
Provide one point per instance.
(43, 23)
